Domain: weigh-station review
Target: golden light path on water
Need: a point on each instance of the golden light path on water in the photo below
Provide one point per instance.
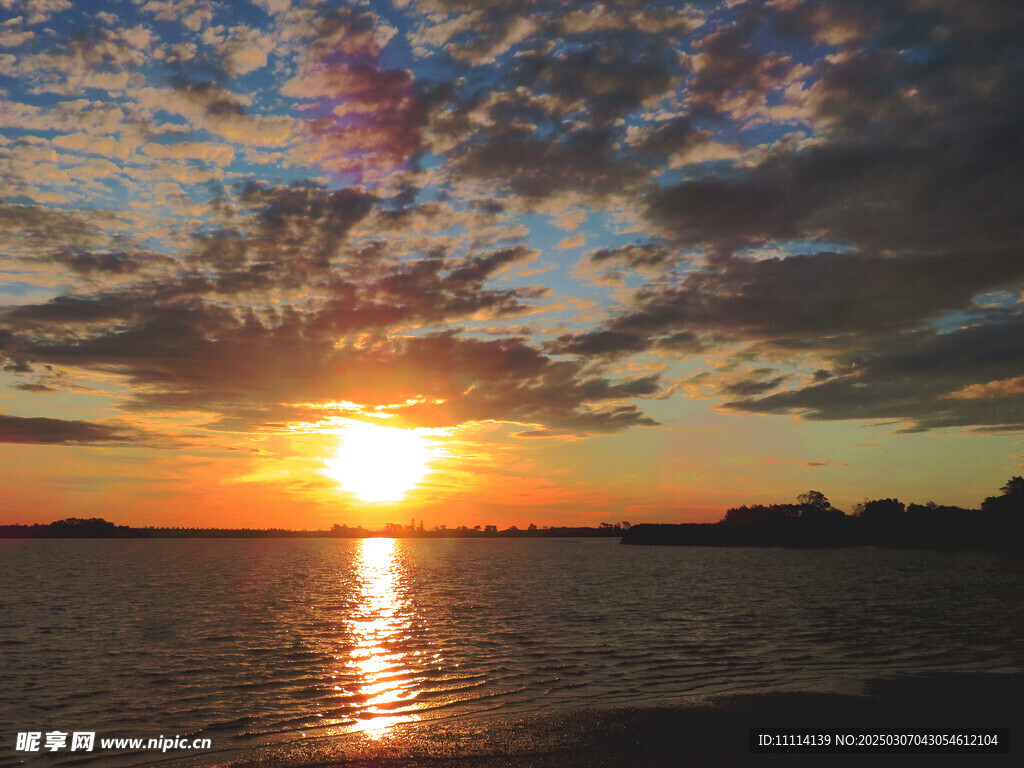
(379, 628)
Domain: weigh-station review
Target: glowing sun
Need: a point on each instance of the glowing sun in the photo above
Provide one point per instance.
(379, 463)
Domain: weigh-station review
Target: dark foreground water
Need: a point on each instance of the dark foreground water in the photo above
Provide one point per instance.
(252, 642)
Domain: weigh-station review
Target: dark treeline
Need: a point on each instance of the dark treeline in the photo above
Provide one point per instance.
(814, 522)
(98, 528)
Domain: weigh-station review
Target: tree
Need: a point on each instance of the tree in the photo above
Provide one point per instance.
(814, 505)
(80, 527)
(760, 514)
(880, 510)
(1010, 504)
(813, 500)
(1014, 486)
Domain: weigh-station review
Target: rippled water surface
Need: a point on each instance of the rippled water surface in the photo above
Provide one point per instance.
(250, 641)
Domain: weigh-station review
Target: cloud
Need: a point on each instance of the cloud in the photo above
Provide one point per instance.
(811, 187)
(11, 38)
(587, 162)
(98, 58)
(278, 310)
(105, 146)
(245, 50)
(205, 152)
(39, 11)
(46, 431)
(28, 230)
(734, 76)
(367, 117)
(208, 106)
(909, 378)
(1000, 388)
(636, 256)
(603, 82)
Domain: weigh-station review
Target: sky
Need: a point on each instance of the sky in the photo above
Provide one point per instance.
(292, 263)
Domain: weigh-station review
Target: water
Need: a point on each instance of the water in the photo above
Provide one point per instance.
(253, 641)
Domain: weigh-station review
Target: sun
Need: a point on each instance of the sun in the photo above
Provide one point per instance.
(379, 463)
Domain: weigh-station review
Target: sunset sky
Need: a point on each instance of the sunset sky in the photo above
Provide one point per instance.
(584, 262)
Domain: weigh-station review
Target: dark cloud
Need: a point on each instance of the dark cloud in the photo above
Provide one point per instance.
(44, 431)
(817, 297)
(811, 299)
(366, 116)
(912, 171)
(215, 100)
(636, 256)
(104, 263)
(507, 380)
(587, 161)
(752, 386)
(599, 343)
(732, 73)
(929, 192)
(607, 81)
(551, 118)
(32, 229)
(914, 378)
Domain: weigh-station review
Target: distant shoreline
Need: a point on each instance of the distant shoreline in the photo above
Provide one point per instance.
(101, 529)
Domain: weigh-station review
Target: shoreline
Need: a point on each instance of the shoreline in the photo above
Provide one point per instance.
(698, 731)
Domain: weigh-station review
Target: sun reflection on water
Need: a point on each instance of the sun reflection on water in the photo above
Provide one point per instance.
(380, 626)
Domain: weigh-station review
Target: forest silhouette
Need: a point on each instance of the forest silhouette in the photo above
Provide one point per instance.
(813, 522)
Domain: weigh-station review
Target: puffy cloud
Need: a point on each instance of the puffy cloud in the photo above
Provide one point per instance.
(39, 11)
(193, 14)
(206, 152)
(574, 241)
(245, 50)
(105, 59)
(12, 38)
(208, 106)
(96, 145)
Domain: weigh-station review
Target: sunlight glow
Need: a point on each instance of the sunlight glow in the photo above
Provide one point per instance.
(379, 463)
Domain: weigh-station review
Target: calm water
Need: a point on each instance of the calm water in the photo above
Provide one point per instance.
(255, 641)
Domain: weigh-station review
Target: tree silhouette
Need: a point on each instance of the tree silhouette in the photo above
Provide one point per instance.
(1010, 504)
(1014, 486)
(880, 511)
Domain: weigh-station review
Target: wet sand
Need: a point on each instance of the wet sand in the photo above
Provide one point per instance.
(712, 731)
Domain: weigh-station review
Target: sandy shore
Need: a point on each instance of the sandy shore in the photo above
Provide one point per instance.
(711, 731)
